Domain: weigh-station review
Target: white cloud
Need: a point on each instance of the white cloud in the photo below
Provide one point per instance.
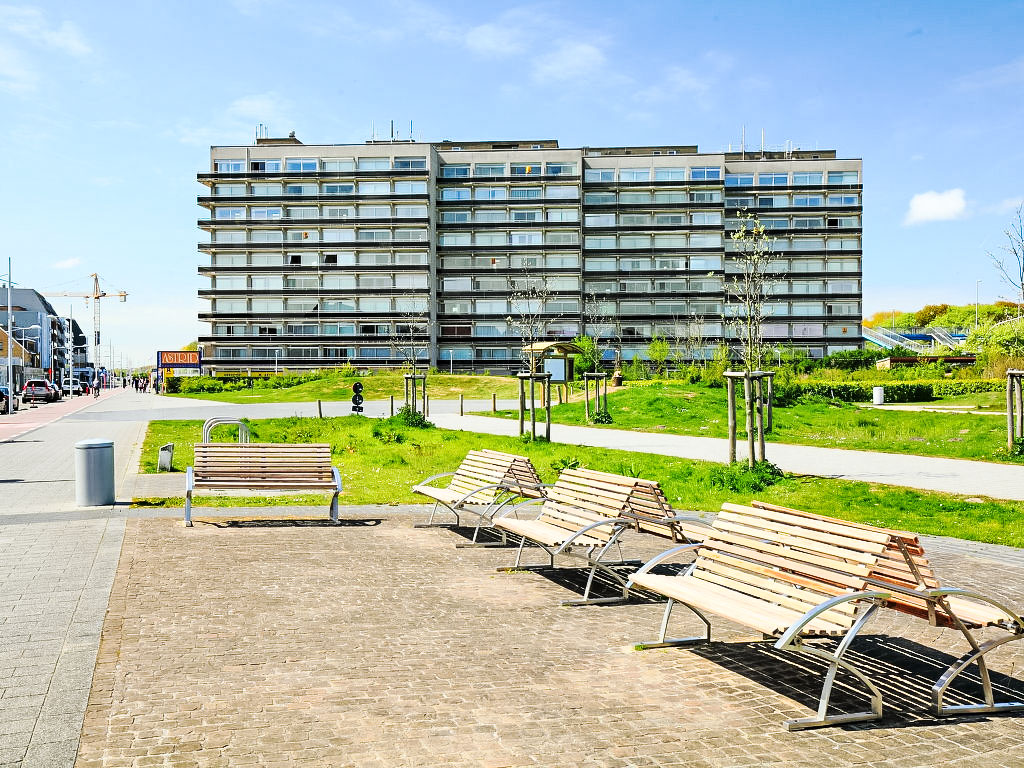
(1009, 205)
(936, 206)
(237, 123)
(677, 82)
(569, 61)
(1009, 74)
(493, 40)
(31, 24)
(16, 76)
(67, 263)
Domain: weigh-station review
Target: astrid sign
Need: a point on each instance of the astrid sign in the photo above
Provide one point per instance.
(178, 359)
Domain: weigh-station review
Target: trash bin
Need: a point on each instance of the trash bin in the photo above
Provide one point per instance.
(165, 461)
(94, 473)
(877, 395)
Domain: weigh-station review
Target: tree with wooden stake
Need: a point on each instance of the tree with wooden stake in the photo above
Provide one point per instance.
(746, 293)
(529, 298)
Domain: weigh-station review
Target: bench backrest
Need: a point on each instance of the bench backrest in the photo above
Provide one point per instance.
(261, 463)
(904, 563)
(583, 496)
(481, 469)
(789, 560)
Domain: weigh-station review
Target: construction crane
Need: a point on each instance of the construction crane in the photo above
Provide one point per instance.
(96, 295)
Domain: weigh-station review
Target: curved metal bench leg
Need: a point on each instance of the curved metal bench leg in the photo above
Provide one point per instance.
(976, 654)
(596, 563)
(663, 640)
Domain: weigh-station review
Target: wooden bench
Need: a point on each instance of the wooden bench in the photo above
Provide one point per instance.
(904, 571)
(484, 483)
(787, 576)
(583, 515)
(263, 467)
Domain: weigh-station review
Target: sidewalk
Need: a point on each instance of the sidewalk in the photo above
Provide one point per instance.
(972, 478)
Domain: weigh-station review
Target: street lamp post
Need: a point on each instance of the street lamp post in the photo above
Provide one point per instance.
(276, 353)
(10, 338)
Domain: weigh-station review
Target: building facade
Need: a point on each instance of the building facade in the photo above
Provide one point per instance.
(38, 327)
(454, 253)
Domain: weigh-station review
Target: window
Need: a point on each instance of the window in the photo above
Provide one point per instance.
(489, 169)
(454, 238)
(706, 240)
(411, 211)
(491, 306)
(375, 280)
(843, 200)
(772, 179)
(634, 241)
(844, 243)
(707, 173)
(265, 236)
(229, 213)
(701, 263)
(491, 238)
(526, 238)
(843, 286)
(525, 193)
(339, 235)
(773, 201)
(339, 282)
(599, 174)
(739, 179)
(372, 164)
(806, 178)
(495, 353)
(455, 193)
(339, 189)
(634, 265)
(455, 217)
(560, 169)
(294, 235)
(843, 265)
(704, 197)
(374, 353)
(491, 215)
(597, 198)
(266, 259)
(807, 309)
(490, 193)
(339, 211)
(339, 165)
(229, 166)
(457, 284)
(601, 265)
(233, 283)
(374, 187)
(670, 174)
(339, 259)
(775, 223)
(265, 213)
(409, 163)
(527, 214)
(808, 243)
(808, 201)
(842, 177)
(638, 219)
(557, 192)
(410, 235)
(373, 235)
(300, 189)
(562, 261)
(525, 169)
(457, 331)
(454, 171)
(374, 211)
(410, 187)
(339, 305)
(265, 166)
(302, 164)
(706, 217)
(599, 220)
(303, 212)
(238, 190)
(670, 241)
(301, 281)
(562, 305)
(634, 174)
(605, 241)
(229, 260)
(803, 222)
(634, 198)
(411, 280)
(375, 305)
(268, 305)
(843, 222)
(739, 202)
(229, 236)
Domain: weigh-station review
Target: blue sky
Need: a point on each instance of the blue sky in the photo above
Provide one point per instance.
(108, 111)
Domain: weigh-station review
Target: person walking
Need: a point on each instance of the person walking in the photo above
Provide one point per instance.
(96, 387)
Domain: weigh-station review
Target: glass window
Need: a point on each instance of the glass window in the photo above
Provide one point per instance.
(490, 193)
(842, 177)
(560, 169)
(265, 213)
(555, 237)
(491, 215)
(455, 217)
(373, 164)
(844, 243)
(603, 241)
(706, 217)
(339, 189)
(374, 187)
(843, 200)
(265, 166)
(805, 178)
(300, 189)
(705, 197)
(601, 265)
(411, 211)
(599, 174)
(409, 163)
(661, 219)
(374, 211)
(229, 213)
(300, 164)
(229, 236)
(337, 282)
(524, 193)
(739, 179)
(773, 179)
(739, 202)
(634, 174)
(808, 243)
(773, 201)
(557, 192)
(339, 165)
(525, 169)
(805, 222)
(303, 212)
(843, 222)
(598, 198)
(229, 166)
(339, 235)
(526, 238)
(634, 198)
(634, 241)
(699, 263)
(527, 214)
(490, 238)
(670, 241)
(599, 220)
(311, 235)
(375, 305)
(454, 238)
(236, 190)
(489, 169)
(491, 306)
(670, 174)
(339, 211)
(808, 201)
(634, 264)
(410, 235)
(266, 236)
(410, 187)
(373, 234)
(707, 173)
(706, 240)
(454, 171)
(455, 193)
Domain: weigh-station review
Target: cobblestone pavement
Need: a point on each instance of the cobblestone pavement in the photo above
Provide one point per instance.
(375, 644)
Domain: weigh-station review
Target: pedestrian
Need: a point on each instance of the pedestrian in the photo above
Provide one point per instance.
(95, 387)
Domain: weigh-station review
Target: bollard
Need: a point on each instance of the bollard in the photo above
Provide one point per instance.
(877, 395)
(165, 461)
(494, 402)
(426, 405)
(392, 405)
(462, 402)
(94, 473)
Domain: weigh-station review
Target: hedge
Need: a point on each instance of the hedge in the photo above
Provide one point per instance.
(895, 391)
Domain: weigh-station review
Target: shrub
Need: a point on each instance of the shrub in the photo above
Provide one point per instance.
(601, 417)
(172, 384)
(387, 433)
(568, 462)
(740, 478)
(410, 418)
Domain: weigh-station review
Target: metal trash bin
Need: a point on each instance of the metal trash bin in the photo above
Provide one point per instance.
(94, 473)
(878, 395)
(165, 461)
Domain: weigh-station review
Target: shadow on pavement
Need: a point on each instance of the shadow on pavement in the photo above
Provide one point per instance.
(290, 523)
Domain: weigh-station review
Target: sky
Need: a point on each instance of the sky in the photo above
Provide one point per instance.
(108, 110)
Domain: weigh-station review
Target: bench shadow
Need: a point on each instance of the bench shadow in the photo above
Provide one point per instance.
(903, 670)
(269, 522)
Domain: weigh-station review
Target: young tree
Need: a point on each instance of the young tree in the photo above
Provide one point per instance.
(528, 300)
(605, 325)
(1010, 263)
(657, 353)
(589, 359)
(747, 290)
(408, 338)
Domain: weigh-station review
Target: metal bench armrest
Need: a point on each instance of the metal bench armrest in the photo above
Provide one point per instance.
(616, 526)
(798, 626)
(432, 478)
(953, 592)
(659, 558)
(521, 505)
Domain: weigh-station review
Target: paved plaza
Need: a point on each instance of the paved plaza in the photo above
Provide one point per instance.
(254, 639)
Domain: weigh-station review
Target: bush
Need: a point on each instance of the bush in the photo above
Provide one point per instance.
(172, 384)
(569, 462)
(740, 478)
(406, 416)
(895, 391)
(601, 417)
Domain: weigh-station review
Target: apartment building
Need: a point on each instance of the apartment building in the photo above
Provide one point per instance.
(376, 253)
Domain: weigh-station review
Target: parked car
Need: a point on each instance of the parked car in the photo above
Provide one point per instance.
(5, 400)
(72, 387)
(37, 390)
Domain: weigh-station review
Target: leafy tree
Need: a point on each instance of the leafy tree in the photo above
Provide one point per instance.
(589, 358)
(192, 346)
(657, 352)
(928, 313)
(747, 290)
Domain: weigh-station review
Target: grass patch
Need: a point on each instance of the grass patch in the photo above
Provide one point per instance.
(381, 471)
(690, 409)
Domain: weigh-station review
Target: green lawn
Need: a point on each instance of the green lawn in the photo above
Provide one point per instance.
(377, 387)
(380, 470)
(689, 409)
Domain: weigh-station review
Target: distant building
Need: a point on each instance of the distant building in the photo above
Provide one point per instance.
(38, 328)
(321, 255)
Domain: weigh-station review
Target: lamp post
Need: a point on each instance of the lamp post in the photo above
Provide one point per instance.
(10, 337)
(277, 352)
(977, 295)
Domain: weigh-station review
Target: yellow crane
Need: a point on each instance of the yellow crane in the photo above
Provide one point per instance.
(96, 294)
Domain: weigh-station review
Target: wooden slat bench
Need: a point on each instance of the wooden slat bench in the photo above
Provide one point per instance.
(262, 467)
(484, 483)
(582, 516)
(904, 571)
(786, 576)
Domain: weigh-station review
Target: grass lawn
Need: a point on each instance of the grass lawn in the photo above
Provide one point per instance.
(379, 469)
(689, 409)
(375, 387)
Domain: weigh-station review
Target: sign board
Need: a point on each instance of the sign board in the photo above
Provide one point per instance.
(556, 367)
(357, 397)
(179, 359)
